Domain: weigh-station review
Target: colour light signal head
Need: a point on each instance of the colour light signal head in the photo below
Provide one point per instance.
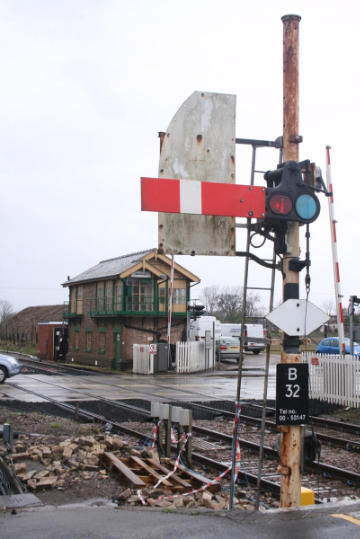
(288, 198)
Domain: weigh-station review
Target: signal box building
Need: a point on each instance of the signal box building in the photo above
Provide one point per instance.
(124, 301)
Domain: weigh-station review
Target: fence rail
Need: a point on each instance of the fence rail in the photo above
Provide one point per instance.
(334, 378)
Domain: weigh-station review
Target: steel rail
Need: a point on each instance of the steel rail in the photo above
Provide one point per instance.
(314, 466)
(318, 467)
(274, 487)
(9, 483)
(146, 393)
(110, 402)
(131, 432)
(321, 421)
(349, 445)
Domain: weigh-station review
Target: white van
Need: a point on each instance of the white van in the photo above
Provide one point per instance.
(202, 324)
(255, 331)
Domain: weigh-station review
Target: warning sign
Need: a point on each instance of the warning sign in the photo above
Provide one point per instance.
(152, 349)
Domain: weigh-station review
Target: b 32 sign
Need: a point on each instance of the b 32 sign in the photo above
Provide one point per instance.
(292, 393)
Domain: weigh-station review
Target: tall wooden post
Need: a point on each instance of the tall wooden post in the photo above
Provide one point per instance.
(290, 449)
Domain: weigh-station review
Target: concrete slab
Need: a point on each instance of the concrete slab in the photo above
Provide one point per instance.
(16, 501)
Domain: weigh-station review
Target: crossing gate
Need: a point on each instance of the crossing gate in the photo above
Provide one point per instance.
(194, 356)
(334, 378)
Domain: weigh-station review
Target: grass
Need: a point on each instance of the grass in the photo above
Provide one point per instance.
(54, 425)
(26, 349)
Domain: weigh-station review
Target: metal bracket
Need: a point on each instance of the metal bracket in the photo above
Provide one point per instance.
(296, 139)
(297, 265)
(277, 143)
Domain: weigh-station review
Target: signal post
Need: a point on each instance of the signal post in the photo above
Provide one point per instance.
(290, 447)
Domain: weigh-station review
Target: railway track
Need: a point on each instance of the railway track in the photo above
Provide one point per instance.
(250, 449)
(323, 435)
(61, 368)
(9, 483)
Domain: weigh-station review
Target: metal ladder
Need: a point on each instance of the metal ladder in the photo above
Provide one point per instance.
(255, 144)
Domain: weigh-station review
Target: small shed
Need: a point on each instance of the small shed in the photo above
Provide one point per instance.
(52, 340)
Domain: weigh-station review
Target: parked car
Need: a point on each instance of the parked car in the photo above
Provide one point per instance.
(330, 345)
(228, 348)
(255, 335)
(9, 366)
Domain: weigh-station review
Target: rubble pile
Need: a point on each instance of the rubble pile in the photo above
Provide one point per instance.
(41, 466)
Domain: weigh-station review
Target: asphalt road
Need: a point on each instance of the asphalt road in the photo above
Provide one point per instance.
(105, 522)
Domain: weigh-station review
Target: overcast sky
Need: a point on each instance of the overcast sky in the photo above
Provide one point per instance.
(86, 86)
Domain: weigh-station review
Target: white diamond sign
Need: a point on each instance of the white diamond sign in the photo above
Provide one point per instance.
(297, 317)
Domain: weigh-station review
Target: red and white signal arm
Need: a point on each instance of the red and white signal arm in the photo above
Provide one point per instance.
(202, 198)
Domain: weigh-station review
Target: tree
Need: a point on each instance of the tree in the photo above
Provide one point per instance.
(328, 307)
(6, 310)
(209, 298)
(226, 303)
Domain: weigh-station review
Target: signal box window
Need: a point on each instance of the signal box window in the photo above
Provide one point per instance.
(140, 295)
(179, 296)
(162, 299)
(118, 296)
(100, 297)
(109, 296)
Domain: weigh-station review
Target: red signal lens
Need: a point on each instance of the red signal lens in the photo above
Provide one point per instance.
(280, 204)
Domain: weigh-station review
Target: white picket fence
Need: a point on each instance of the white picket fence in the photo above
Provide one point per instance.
(193, 356)
(334, 378)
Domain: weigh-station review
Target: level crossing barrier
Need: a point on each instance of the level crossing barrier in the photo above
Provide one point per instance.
(334, 378)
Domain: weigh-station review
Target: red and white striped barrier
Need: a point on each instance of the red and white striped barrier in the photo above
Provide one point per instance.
(155, 431)
(336, 270)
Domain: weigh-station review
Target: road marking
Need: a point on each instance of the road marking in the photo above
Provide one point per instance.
(347, 517)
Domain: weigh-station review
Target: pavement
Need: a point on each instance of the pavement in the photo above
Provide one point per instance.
(102, 520)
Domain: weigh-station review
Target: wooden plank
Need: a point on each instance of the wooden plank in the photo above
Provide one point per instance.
(165, 470)
(114, 463)
(150, 471)
(199, 478)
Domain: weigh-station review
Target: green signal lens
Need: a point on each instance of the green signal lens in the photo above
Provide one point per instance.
(306, 207)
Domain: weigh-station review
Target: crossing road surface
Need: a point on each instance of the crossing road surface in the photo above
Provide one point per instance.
(107, 522)
(214, 385)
